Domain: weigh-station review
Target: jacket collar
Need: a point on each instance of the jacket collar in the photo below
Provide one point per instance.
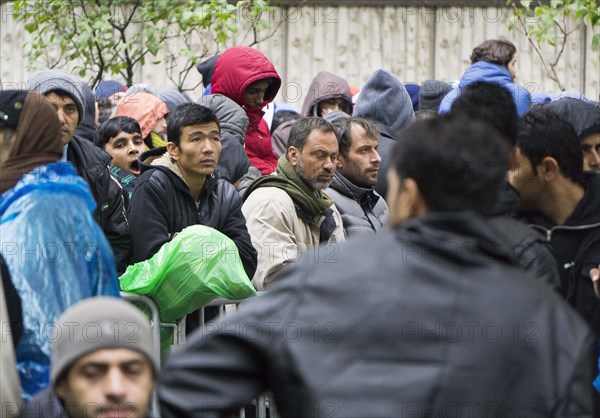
(367, 198)
(159, 159)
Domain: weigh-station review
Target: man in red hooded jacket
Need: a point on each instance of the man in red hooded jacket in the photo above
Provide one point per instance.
(246, 76)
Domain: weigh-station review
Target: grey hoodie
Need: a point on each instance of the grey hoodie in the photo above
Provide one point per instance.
(325, 86)
(233, 162)
(384, 101)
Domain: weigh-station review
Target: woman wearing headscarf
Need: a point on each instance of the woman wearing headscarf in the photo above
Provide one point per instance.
(55, 251)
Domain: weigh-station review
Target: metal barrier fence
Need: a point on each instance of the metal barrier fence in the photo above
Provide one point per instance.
(264, 404)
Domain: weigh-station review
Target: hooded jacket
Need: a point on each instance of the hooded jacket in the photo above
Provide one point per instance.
(147, 109)
(235, 70)
(584, 117)
(325, 86)
(92, 163)
(384, 101)
(363, 210)
(233, 162)
(87, 127)
(576, 245)
(411, 330)
(161, 206)
(492, 73)
(58, 259)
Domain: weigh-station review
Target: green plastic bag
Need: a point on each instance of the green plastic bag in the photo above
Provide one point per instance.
(196, 266)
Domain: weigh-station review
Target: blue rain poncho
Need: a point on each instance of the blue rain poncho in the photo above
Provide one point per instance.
(57, 255)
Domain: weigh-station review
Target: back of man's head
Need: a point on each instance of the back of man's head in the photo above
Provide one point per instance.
(543, 133)
(458, 163)
(188, 114)
(492, 104)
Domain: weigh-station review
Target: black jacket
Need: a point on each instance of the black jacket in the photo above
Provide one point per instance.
(576, 245)
(529, 247)
(161, 205)
(432, 320)
(91, 163)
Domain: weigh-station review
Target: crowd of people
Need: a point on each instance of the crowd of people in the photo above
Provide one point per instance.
(422, 249)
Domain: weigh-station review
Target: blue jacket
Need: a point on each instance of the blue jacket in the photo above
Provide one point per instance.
(492, 73)
(57, 255)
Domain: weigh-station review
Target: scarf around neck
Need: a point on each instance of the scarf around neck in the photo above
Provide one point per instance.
(313, 206)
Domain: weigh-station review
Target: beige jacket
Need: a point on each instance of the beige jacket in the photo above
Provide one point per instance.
(10, 387)
(278, 235)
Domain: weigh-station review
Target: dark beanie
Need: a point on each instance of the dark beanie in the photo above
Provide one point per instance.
(107, 88)
(431, 94)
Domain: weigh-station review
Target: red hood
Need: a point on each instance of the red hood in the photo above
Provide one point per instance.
(239, 67)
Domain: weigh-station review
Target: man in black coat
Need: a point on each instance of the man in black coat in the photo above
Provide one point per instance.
(494, 105)
(178, 188)
(428, 318)
(63, 91)
(561, 201)
(585, 118)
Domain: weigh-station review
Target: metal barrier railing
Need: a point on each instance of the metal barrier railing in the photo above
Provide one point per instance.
(263, 402)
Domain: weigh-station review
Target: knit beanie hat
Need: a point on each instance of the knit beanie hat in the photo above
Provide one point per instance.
(47, 81)
(431, 94)
(107, 88)
(100, 323)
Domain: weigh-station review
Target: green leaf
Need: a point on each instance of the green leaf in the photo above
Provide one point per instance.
(30, 27)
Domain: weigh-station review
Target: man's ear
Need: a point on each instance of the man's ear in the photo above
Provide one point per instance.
(293, 155)
(414, 199)
(549, 169)
(173, 151)
(341, 162)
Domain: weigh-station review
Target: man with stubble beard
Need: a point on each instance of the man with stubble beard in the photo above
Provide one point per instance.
(289, 213)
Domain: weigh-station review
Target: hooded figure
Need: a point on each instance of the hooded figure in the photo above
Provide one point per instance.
(233, 162)
(173, 98)
(585, 118)
(235, 71)
(384, 101)
(62, 255)
(88, 125)
(327, 86)
(90, 162)
(149, 111)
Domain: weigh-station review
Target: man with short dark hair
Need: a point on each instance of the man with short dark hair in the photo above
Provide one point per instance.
(493, 104)
(121, 137)
(178, 188)
(289, 213)
(562, 202)
(363, 210)
(63, 91)
(585, 118)
(428, 318)
(103, 364)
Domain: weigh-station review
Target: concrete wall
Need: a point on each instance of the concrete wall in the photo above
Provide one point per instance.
(415, 43)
